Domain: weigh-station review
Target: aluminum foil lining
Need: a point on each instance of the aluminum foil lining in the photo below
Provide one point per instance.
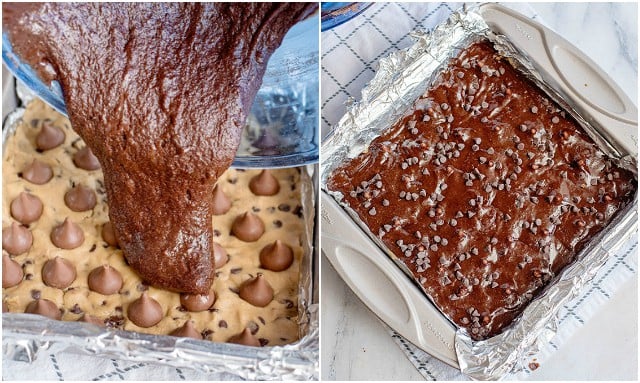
(26, 336)
(401, 78)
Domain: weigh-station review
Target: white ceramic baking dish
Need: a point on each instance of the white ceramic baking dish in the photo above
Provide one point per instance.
(390, 293)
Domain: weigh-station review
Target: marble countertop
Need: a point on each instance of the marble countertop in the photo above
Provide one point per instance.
(356, 345)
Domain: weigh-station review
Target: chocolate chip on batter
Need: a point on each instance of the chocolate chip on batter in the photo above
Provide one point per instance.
(67, 235)
(115, 321)
(253, 326)
(288, 303)
(49, 137)
(284, 207)
(109, 235)
(76, 309)
(58, 273)
(12, 272)
(221, 202)
(245, 338)
(206, 332)
(85, 159)
(248, 227)
(16, 239)
(264, 184)
(80, 198)
(26, 208)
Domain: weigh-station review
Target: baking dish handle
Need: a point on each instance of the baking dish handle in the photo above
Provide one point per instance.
(382, 286)
(589, 87)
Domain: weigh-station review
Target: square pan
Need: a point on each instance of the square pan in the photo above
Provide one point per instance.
(26, 337)
(403, 305)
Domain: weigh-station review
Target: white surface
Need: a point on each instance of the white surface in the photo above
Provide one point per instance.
(356, 346)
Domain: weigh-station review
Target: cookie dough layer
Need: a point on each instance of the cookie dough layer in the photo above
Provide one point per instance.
(274, 324)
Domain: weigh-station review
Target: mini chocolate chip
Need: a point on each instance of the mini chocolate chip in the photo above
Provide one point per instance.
(93, 248)
(253, 327)
(115, 321)
(263, 341)
(223, 324)
(284, 207)
(76, 309)
(236, 270)
(205, 333)
(255, 209)
(216, 233)
(277, 223)
(36, 294)
(288, 303)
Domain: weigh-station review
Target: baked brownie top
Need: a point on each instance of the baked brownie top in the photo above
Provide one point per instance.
(486, 189)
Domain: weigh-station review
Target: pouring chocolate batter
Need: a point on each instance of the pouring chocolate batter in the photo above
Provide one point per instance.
(160, 93)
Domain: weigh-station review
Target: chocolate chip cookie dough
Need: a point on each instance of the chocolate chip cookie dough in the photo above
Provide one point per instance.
(61, 258)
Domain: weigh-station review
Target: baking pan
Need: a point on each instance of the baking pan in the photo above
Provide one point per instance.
(391, 293)
(26, 336)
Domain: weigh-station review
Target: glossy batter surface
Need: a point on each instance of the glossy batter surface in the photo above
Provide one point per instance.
(160, 93)
(485, 190)
(281, 213)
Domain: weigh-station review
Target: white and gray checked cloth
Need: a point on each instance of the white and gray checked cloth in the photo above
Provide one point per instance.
(350, 54)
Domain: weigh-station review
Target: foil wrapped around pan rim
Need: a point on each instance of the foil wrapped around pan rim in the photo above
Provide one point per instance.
(401, 78)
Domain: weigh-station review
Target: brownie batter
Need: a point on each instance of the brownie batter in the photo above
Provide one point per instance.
(485, 190)
(103, 287)
(160, 93)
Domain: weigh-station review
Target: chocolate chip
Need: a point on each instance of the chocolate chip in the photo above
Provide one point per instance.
(284, 207)
(93, 248)
(205, 333)
(36, 294)
(277, 223)
(253, 327)
(263, 341)
(76, 309)
(115, 321)
(223, 324)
